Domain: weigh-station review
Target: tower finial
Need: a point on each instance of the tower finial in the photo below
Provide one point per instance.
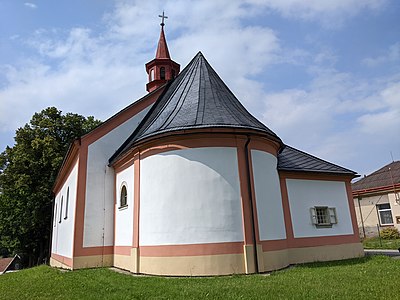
(162, 19)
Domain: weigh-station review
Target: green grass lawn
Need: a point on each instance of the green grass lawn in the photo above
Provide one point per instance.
(373, 243)
(365, 278)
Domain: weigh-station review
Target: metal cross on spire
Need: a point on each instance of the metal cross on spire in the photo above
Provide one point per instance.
(162, 18)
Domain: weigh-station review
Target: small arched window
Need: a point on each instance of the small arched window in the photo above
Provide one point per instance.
(173, 74)
(162, 73)
(61, 206)
(151, 75)
(66, 205)
(124, 197)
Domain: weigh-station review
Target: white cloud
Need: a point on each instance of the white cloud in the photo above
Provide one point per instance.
(78, 70)
(30, 5)
(385, 121)
(392, 55)
(339, 118)
(331, 13)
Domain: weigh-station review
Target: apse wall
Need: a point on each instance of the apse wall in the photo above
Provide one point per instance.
(271, 222)
(63, 225)
(190, 196)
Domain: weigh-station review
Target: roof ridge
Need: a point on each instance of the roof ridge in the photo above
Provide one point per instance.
(201, 99)
(153, 108)
(183, 73)
(180, 101)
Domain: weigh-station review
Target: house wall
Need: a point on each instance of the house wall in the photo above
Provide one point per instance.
(271, 221)
(190, 196)
(62, 235)
(368, 206)
(124, 215)
(395, 209)
(99, 199)
(304, 194)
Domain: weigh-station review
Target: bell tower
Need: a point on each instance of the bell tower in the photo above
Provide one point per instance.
(162, 68)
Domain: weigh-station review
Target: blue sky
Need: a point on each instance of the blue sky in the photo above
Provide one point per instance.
(324, 75)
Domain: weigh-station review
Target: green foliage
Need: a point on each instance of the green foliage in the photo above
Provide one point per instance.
(390, 233)
(363, 278)
(27, 173)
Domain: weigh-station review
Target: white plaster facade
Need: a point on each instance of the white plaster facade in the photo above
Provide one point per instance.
(304, 194)
(99, 200)
(124, 215)
(190, 196)
(271, 222)
(63, 226)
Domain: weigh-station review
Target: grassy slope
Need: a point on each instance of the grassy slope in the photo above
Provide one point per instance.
(366, 278)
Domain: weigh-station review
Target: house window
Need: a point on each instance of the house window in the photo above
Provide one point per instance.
(61, 206)
(323, 216)
(385, 214)
(162, 73)
(66, 205)
(123, 197)
(173, 74)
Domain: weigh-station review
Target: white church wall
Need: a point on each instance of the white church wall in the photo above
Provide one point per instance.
(99, 203)
(124, 215)
(271, 223)
(62, 238)
(305, 194)
(190, 196)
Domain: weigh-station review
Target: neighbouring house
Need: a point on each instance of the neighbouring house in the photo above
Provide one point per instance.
(10, 264)
(377, 198)
(185, 181)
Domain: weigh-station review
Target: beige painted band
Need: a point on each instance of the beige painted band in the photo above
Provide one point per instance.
(94, 261)
(193, 265)
(274, 260)
(57, 264)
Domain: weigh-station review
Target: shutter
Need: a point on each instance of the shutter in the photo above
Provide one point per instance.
(314, 219)
(332, 215)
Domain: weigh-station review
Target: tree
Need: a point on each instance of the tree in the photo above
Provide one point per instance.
(27, 174)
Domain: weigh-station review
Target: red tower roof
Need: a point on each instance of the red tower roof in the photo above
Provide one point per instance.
(162, 68)
(162, 48)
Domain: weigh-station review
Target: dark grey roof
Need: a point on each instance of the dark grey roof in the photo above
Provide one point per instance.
(291, 159)
(197, 98)
(388, 175)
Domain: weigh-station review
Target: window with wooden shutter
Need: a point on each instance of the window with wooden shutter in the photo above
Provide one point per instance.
(323, 216)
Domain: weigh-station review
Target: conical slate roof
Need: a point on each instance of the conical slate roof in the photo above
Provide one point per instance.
(291, 159)
(197, 98)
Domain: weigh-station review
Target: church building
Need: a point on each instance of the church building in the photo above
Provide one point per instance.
(185, 181)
